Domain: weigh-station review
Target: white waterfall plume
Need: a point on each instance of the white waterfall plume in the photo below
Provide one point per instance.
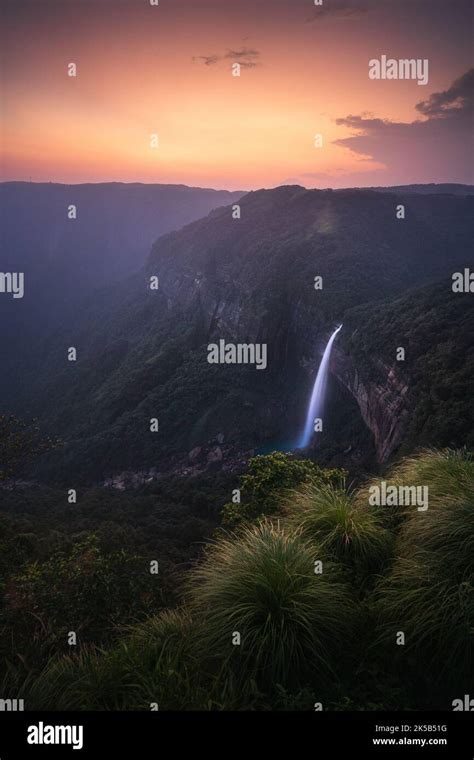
(317, 397)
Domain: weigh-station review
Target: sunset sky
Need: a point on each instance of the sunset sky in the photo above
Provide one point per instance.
(167, 70)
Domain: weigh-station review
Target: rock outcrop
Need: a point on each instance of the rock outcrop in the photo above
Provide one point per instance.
(383, 403)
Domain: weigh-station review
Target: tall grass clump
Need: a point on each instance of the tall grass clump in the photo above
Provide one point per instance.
(152, 663)
(294, 624)
(448, 475)
(350, 532)
(429, 592)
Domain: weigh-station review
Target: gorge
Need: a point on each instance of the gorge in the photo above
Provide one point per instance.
(143, 353)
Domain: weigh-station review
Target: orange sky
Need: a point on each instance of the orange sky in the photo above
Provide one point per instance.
(142, 70)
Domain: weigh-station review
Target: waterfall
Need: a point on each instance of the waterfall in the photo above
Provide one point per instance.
(317, 397)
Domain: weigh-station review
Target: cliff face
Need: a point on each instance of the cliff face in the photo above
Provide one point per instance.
(252, 281)
(383, 402)
(383, 405)
(143, 352)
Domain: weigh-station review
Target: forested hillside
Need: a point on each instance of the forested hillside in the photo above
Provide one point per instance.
(72, 240)
(142, 353)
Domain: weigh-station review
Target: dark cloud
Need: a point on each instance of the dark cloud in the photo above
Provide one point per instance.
(437, 146)
(458, 98)
(244, 53)
(207, 60)
(337, 9)
(246, 57)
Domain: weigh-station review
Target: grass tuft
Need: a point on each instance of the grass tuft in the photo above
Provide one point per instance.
(429, 592)
(262, 584)
(346, 531)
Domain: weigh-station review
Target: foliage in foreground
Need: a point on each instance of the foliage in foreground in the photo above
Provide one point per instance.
(84, 591)
(269, 478)
(344, 530)
(291, 622)
(429, 592)
(304, 637)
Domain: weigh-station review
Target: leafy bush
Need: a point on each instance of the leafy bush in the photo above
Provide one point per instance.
(269, 478)
(85, 591)
(20, 442)
(304, 636)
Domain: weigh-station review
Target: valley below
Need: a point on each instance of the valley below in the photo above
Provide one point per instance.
(124, 448)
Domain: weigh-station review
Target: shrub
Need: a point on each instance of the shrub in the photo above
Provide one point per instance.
(429, 593)
(344, 530)
(268, 480)
(151, 663)
(262, 584)
(83, 590)
(449, 475)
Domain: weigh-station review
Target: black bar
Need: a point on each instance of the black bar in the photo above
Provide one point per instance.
(316, 735)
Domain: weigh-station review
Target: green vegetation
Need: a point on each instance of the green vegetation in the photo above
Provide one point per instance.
(261, 586)
(434, 327)
(350, 532)
(144, 353)
(269, 477)
(306, 636)
(20, 442)
(429, 592)
(309, 632)
(85, 566)
(84, 590)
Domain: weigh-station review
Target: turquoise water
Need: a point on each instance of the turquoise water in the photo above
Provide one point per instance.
(277, 446)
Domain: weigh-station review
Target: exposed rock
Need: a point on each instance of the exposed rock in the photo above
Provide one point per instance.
(383, 405)
(227, 458)
(196, 455)
(214, 458)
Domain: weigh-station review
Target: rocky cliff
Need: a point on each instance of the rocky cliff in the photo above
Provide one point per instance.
(383, 405)
(143, 352)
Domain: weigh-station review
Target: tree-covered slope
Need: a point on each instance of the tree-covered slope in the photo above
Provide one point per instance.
(431, 330)
(72, 240)
(142, 353)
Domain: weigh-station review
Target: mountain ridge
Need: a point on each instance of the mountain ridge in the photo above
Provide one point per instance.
(143, 354)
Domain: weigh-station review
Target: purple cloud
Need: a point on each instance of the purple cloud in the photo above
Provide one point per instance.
(434, 147)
